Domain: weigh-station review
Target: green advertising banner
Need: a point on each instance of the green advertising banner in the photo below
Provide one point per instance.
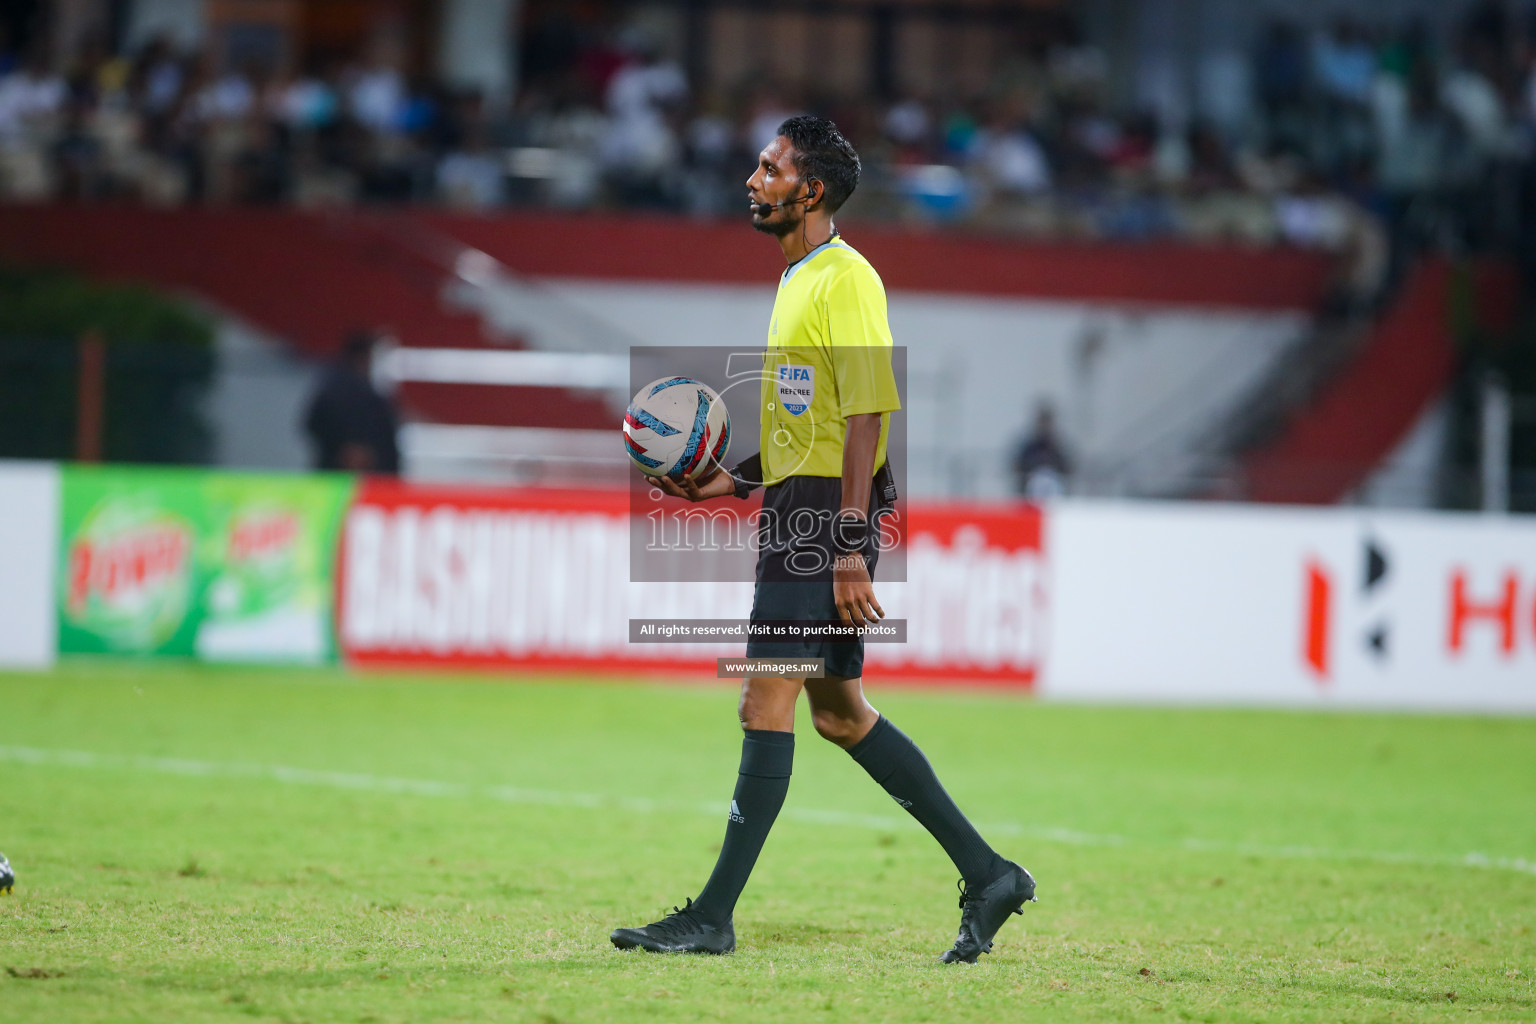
(217, 566)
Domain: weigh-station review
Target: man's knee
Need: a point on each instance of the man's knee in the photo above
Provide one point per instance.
(837, 727)
(768, 704)
(749, 709)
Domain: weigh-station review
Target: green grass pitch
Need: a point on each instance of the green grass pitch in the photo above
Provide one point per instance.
(229, 845)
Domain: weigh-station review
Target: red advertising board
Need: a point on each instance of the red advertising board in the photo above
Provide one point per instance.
(531, 579)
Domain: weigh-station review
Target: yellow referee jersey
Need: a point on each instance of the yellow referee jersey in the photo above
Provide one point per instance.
(828, 358)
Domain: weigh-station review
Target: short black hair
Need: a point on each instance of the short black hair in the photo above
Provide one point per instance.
(822, 153)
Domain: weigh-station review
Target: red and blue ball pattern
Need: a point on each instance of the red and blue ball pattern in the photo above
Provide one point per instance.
(674, 425)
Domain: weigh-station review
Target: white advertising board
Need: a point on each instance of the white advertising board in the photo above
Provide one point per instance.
(29, 525)
(1220, 603)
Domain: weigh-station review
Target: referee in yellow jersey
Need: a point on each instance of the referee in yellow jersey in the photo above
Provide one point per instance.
(827, 397)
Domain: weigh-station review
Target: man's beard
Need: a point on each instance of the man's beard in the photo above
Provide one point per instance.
(776, 228)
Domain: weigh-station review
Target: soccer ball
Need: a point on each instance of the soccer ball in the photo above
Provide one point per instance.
(676, 427)
(7, 876)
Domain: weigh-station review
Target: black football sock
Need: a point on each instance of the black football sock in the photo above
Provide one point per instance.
(761, 785)
(894, 761)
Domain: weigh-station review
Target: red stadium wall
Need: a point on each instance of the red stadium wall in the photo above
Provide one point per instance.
(310, 276)
(669, 249)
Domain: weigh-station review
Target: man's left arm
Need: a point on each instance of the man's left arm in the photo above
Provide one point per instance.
(860, 339)
(852, 588)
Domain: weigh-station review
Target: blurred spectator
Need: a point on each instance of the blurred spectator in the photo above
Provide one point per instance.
(1210, 169)
(1357, 123)
(77, 155)
(1471, 94)
(1345, 63)
(1040, 464)
(958, 131)
(768, 109)
(9, 58)
(310, 103)
(471, 176)
(1415, 145)
(225, 97)
(260, 170)
(1409, 52)
(376, 94)
(647, 85)
(910, 126)
(157, 76)
(640, 149)
(1344, 68)
(30, 99)
(350, 424)
(1280, 79)
(714, 160)
(1009, 157)
(1131, 153)
(1313, 216)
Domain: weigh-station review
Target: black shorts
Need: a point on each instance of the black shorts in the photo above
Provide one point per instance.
(794, 569)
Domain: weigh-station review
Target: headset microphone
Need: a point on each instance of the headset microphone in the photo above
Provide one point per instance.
(764, 209)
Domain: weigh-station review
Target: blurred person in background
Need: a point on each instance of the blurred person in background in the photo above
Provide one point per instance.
(1344, 62)
(31, 98)
(259, 172)
(1344, 69)
(10, 59)
(1472, 93)
(909, 125)
(351, 425)
(77, 155)
(308, 103)
(770, 105)
(376, 93)
(1032, 143)
(641, 148)
(1008, 154)
(471, 175)
(712, 153)
(226, 96)
(1040, 465)
(1088, 138)
(1210, 166)
(1280, 76)
(1414, 146)
(158, 75)
(1310, 215)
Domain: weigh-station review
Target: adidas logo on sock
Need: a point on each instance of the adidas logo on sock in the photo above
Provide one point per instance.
(736, 814)
(905, 803)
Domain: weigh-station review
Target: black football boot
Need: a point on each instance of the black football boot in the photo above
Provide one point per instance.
(983, 913)
(682, 931)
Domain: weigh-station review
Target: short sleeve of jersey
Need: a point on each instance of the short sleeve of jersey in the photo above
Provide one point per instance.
(859, 339)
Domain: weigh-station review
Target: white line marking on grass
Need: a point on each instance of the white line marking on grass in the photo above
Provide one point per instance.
(367, 783)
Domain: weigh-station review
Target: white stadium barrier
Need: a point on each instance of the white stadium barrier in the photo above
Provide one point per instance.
(1141, 602)
(1077, 600)
(29, 530)
(1317, 607)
